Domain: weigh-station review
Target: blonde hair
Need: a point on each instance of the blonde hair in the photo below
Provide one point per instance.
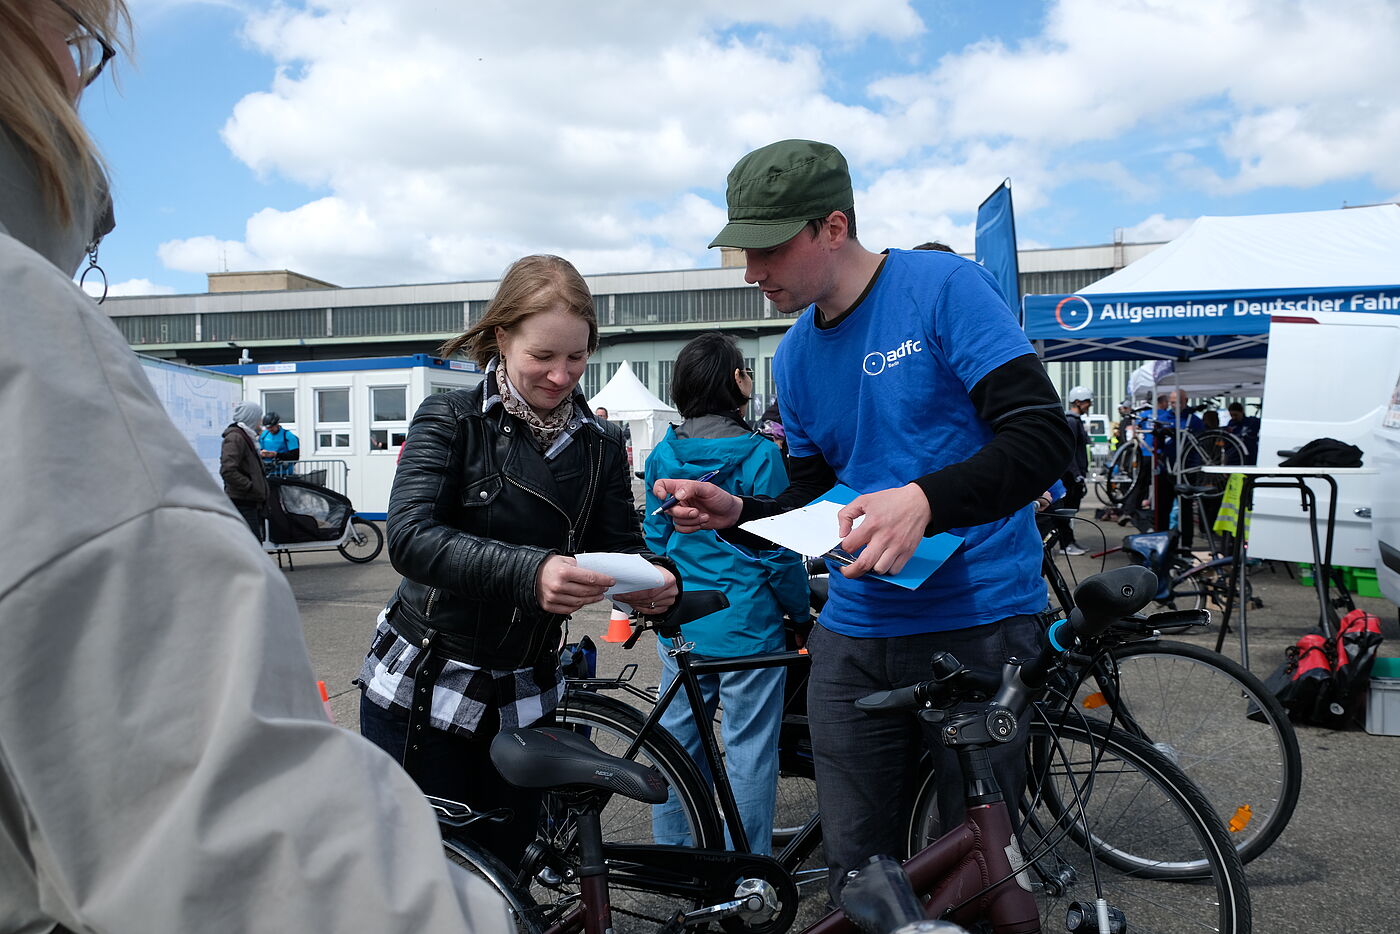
(34, 102)
(532, 284)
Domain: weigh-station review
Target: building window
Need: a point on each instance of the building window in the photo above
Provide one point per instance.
(755, 407)
(333, 420)
(770, 388)
(611, 371)
(663, 380)
(283, 402)
(592, 379)
(642, 370)
(388, 417)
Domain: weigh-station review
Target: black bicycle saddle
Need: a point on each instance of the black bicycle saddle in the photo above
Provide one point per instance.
(553, 757)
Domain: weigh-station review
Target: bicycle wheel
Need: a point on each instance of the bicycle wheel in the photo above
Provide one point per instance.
(1149, 829)
(524, 912)
(1210, 449)
(1218, 723)
(613, 726)
(1121, 473)
(1204, 586)
(365, 544)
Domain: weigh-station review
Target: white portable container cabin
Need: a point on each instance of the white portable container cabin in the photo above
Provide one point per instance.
(356, 411)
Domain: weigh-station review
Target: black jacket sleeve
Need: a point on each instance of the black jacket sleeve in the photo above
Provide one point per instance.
(1029, 450)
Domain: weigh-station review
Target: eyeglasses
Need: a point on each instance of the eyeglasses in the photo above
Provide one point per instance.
(90, 51)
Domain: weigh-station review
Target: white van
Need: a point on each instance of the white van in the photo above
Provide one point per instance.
(1333, 375)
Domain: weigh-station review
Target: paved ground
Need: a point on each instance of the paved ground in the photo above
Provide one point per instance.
(1332, 872)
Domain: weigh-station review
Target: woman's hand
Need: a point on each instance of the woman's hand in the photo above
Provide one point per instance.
(655, 601)
(563, 587)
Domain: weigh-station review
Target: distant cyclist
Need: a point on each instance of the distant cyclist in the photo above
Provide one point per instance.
(1081, 399)
(278, 445)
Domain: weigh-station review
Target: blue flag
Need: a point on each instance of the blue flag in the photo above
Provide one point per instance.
(996, 243)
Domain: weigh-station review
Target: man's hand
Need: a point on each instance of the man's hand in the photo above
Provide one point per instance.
(654, 601)
(268, 455)
(564, 587)
(894, 523)
(699, 505)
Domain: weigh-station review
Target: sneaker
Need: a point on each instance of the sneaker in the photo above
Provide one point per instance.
(1075, 550)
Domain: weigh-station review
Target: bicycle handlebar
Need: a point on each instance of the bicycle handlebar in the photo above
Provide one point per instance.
(1100, 601)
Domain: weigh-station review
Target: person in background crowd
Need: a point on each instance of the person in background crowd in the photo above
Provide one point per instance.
(710, 387)
(241, 468)
(1075, 478)
(1246, 428)
(497, 488)
(935, 245)
(278, 444)
(601, 412)
(881, 335)
(166, 764)
(1210, 419)
(1121, 433)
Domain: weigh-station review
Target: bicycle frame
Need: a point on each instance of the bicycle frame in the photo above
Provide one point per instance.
(951, 873)
(688, 680)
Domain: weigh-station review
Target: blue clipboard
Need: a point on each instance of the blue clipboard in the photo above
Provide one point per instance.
(928, 556)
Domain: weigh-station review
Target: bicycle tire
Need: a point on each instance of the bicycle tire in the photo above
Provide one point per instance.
(1210, 448)
(1121, 472)
(365, 550)
(524, 911)
(1137, 797)
(1220, 724)
(613, 726)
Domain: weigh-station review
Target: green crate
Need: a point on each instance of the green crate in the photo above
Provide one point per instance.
(1305, 574)
(1364, 583)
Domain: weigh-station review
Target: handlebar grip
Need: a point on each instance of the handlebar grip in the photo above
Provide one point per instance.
(898, 699)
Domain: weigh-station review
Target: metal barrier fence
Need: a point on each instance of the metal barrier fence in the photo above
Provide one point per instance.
(331, 474)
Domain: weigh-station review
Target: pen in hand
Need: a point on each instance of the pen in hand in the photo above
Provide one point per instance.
(671, 500)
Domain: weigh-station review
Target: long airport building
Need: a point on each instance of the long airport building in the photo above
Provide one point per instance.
(645, 318)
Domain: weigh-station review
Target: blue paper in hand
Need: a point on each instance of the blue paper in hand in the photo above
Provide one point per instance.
(928, 556)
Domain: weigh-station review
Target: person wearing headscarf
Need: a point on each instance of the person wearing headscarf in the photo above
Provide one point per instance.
(240, 465)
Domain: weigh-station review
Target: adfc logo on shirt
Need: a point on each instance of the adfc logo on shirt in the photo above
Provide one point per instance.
(876, 361)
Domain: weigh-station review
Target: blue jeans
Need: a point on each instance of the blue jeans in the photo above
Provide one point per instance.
(753, 713)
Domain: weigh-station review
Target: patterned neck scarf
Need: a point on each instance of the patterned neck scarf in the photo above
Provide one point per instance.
(544, 429)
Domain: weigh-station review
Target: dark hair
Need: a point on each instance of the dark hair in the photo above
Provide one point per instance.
(271, 419)
(814, 226)
(1235, 407)
(702, 382)
(935, 245)
(532, 284)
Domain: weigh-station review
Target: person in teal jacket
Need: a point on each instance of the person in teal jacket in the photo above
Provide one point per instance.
(710, 386)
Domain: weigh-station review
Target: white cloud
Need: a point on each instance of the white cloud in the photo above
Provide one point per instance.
(1156, 228)
(443, 140)
(129, 287)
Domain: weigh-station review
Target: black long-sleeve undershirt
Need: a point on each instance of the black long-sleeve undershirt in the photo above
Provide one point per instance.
(1031, 446)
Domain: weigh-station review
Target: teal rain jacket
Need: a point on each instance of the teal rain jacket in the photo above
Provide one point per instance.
(761, 586)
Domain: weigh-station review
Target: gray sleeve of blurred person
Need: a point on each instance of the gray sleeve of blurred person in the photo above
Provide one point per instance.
(165, 764)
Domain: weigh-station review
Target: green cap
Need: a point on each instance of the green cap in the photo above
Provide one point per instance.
(774, 191)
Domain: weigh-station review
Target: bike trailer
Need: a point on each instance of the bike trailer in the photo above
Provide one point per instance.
(300, 511)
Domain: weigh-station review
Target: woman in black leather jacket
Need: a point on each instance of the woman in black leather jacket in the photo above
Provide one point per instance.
(496, 488)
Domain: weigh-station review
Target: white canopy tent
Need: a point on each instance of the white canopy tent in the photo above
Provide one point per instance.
(628, 400)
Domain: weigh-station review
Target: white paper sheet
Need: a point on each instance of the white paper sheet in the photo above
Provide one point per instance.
(632, 572)
(810, 530)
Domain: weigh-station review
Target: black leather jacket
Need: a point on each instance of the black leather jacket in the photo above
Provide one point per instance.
(475, 511)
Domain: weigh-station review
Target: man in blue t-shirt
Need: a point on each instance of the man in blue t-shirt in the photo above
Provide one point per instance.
(278, 445)
(908, 380)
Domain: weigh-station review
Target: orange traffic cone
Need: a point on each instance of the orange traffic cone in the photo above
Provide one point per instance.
(619, 628)
(325, 700)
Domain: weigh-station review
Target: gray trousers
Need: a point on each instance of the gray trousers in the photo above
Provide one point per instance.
(866, 763)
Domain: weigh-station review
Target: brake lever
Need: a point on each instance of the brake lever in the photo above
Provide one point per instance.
(637, 629)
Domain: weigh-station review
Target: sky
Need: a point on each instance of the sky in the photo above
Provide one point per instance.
(372, 142)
